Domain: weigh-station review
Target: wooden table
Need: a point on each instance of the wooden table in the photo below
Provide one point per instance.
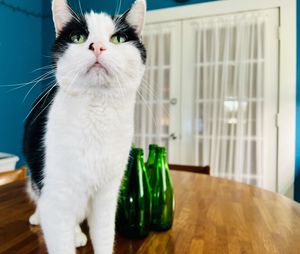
(213, 215)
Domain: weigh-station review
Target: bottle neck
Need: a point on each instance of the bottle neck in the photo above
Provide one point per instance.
(136, 160)
(159, 158)
(151, 156)
(140, 157)
(140, 162)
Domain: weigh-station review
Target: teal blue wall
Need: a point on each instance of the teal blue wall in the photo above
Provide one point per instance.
(110, 6)
(20, 54)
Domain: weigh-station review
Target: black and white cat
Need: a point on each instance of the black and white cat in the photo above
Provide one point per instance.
(78, 135)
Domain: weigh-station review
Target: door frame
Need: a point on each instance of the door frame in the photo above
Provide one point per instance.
(286, 118)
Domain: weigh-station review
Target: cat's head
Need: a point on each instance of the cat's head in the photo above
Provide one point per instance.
(96, 52)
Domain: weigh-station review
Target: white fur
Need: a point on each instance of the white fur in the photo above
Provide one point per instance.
(80, 237)
(34, 219)
(88, 138)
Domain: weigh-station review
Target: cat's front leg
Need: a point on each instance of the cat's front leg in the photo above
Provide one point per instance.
(102, 217)
(59, 210)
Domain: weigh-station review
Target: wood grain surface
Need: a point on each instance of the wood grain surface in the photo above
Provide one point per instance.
(212, 215)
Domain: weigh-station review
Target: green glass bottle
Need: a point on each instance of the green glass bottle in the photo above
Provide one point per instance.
(123, 190)
(151, 160)
(151, 155)
(163, 202)
(134, 205)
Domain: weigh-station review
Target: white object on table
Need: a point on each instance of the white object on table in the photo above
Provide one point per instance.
(8, 161)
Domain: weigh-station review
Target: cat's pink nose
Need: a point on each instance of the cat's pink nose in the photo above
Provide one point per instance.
(98, 48)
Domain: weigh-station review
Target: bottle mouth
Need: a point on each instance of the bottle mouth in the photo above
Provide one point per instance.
(153, 146)
(138, 151)
(161, 150)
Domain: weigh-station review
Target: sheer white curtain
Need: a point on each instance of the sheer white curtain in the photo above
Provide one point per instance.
(153, 98)
(210, 94)
(157, 115)
(229, 95)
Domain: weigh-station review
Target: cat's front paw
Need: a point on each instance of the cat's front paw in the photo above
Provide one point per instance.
(34, 219)
(80, 239)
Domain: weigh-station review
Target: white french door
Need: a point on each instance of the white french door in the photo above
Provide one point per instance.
(231, 63)
(157, 112)
(211, 94)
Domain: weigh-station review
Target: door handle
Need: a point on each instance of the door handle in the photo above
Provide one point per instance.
(173, 136)
(173, 101)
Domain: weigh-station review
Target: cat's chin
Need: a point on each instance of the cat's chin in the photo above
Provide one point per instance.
(97, 69)
(97, 76)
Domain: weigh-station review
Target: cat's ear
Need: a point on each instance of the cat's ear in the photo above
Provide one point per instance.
(136, 15)
(62, 14)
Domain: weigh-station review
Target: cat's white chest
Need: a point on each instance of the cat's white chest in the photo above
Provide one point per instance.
(91, 139)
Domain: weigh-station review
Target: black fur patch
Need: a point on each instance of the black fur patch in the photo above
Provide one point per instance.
(60, 45)
(123, 27)
(34, 134)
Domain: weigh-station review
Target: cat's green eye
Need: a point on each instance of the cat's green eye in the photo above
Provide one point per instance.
(78, 38)
(118, 39)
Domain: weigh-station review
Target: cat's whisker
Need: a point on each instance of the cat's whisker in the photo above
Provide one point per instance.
(147, 89)
(74, 14)
(145, 85)
(80, 8)
(56, 84)
(46, 56)
(77, 18)
(148, 107)
(36, 104)
(150, 94)
(16, 87)
(42, 111)
(50, 66)
(153, 95)
(116, 76)
(118, 8)
(120, 86)
(28, 83)
(143, 88)
(35, 83)
(53, 84)
(117, 20)
(27, 94)
(73, 80)
(115, 12)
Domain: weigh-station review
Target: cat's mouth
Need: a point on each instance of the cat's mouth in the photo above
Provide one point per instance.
(97, 66)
